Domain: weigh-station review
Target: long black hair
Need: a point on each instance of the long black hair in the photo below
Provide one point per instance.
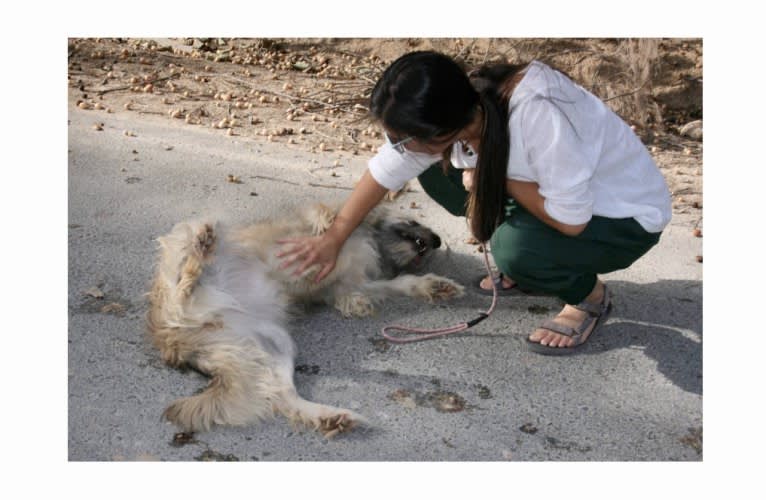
(426, 94)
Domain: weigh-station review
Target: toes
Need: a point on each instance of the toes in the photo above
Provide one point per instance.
(537, 336)
(445, 289)
(559, 341)
(205, 240)
(334, 425)
(550, 339)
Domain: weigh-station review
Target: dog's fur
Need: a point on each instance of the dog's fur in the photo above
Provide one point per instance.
(219, 305)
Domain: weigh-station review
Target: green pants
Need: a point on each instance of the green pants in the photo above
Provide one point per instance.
(537, 256)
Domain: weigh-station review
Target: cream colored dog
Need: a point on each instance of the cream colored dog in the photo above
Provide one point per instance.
(219, 304)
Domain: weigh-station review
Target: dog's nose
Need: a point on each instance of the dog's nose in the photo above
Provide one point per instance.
(437, 241)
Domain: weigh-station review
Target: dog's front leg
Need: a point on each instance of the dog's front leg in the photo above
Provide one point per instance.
(429, 287)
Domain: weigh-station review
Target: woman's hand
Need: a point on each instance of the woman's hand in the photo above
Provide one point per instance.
(309, 251)
(323, 250)
(468, 178)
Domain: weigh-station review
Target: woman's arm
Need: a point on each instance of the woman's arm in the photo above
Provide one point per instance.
(528, 195)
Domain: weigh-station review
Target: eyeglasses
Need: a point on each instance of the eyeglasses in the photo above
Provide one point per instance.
(399, 146)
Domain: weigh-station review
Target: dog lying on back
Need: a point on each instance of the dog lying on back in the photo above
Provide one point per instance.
(219, 304)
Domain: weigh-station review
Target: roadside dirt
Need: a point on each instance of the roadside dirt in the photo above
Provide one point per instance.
(312, 93)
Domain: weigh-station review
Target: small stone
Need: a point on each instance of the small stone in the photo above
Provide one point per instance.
(95, 292)
(114, 308)
(528, 428)
(692, 130)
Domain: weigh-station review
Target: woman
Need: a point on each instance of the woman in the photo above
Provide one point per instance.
(557, 183)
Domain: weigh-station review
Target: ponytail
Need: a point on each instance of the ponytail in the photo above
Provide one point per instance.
(486, 202)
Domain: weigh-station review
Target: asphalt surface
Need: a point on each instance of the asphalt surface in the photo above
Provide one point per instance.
(634, 393)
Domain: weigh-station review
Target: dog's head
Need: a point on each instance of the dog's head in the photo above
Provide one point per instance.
(404, 243)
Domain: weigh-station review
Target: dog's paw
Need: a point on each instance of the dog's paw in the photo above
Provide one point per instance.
(433, 287)
(355, 305)
(328, 420)
(336, 424)
(204, 241)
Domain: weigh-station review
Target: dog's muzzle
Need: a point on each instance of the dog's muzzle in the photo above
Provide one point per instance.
(423, 247)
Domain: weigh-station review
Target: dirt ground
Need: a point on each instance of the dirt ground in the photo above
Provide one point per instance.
(312, 93)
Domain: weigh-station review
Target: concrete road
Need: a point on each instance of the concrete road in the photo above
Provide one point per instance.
(633, 394)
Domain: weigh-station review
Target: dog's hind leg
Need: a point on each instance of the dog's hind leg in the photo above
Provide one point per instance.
(184, 252)
(429, 287)
(199, 251)
(328, 420)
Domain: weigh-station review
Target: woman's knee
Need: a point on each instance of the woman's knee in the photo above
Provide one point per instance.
(510, 250)
(446, 190)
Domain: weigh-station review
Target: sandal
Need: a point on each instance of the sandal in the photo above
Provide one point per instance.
(498, 281)
(596, 312)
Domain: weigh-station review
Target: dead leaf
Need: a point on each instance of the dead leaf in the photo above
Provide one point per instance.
(403, 397)
(693, 439)
(113, 308)
(183, 438)
(528, 428)
(95, 292)
(446, 402)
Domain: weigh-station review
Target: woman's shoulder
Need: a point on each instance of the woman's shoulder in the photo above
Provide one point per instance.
(543, 82)
(531, 83)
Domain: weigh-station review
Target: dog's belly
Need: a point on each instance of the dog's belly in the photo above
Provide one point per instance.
(239, 293)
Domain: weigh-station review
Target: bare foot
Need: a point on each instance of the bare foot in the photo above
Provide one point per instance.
(572, 317)
(486, 283)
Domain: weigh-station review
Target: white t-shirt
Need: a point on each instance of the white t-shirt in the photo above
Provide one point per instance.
(586, 159)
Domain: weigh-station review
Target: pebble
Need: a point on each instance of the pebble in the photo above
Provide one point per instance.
(692, 130)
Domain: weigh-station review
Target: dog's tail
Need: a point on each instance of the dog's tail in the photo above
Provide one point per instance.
(249, 385)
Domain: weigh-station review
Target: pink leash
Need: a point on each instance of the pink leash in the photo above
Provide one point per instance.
(417, 334)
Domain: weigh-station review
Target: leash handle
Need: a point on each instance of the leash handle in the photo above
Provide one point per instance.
(417, 334)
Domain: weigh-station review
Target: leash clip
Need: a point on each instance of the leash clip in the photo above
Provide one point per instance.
(481, 317)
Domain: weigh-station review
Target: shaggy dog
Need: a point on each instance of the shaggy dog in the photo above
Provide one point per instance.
(219, 304)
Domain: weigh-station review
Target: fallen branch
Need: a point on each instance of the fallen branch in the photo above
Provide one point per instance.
(275, 179)
(312, 184)
(636, 90)
(326, 167)
(106, 91)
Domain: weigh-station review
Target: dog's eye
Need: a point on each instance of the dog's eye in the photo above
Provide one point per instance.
(419, 242)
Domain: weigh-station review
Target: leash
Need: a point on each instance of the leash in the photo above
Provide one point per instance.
(417, 334)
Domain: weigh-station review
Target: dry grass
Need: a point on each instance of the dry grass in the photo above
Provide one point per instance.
(641, 58)
(241, 85)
